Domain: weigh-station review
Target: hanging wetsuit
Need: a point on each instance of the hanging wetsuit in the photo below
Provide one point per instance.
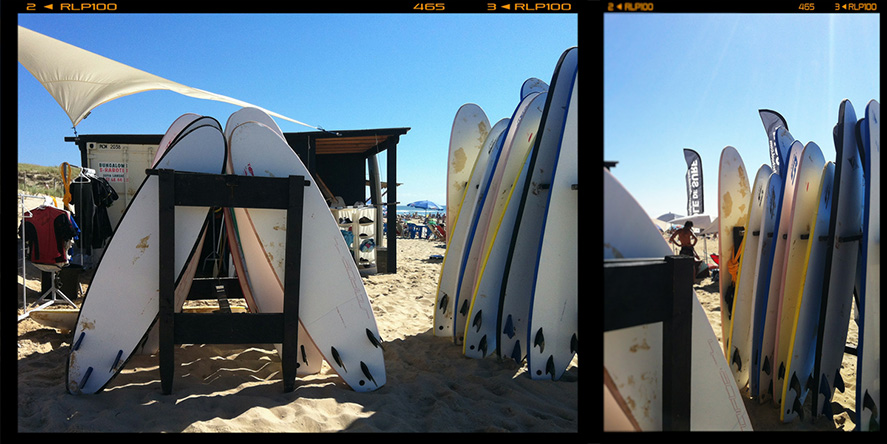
(47, 233)
(91, 197)
(84, 205)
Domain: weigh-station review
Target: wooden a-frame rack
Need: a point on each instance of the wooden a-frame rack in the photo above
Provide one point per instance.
(218, 190)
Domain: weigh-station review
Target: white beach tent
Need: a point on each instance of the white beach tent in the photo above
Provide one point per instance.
(700, 221)
(80, 80)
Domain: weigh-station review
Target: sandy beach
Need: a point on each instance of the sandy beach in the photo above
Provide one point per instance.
(431, 386)
(765, 417)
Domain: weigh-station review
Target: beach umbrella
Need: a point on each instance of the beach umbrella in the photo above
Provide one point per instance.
(669, 216)
(425, 205)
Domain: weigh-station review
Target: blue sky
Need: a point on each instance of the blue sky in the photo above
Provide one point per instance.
(336, 71)
(674, 81)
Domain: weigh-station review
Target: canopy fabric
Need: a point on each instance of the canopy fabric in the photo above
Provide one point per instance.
(80, 80)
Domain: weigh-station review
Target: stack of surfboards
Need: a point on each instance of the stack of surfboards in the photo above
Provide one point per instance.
(508, 285)
(806, 236)
(336, 321)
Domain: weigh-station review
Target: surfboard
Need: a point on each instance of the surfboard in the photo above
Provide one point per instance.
(799, 370)
(250, 114)
(554, 306)
(772, 199)
(633, 356)
(480, 220)
(734, 197)
(444, 305)
(258, 282)
(532, 85)
(770, 334)
(467, 136)
(804, 176)
(868, 367)
(845, 231)
(484, 295)
(334, 307)
(151, 344)
(617, 414)
(174, 130)
(121, 303)
(739, 338)
(520, 265)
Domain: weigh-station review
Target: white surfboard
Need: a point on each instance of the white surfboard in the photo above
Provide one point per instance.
(554, 306)
(740, 332)
(617, 415)
(734, 197)
(467, 136)
(444, 305)
(182, 125)
(532, 85)
(475, 243)
(520, 266)
(804, 175)
(868, 367)
(484, 297)
(767, 358)
(799, 370)
(250, 114)
(840, 263)
(334, 307)
(121, 303)
(772, 197)
(258, 282)
(172, 132)
(633, 356)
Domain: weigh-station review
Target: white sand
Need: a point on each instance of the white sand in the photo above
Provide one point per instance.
(431, 386)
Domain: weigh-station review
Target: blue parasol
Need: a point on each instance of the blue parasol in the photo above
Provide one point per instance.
(425, 205)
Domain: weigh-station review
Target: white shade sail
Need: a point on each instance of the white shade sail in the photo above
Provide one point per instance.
(80, 80)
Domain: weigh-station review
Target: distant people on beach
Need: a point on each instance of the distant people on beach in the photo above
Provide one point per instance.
(685, 239)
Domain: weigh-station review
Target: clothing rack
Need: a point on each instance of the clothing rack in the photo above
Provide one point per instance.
(53, 291)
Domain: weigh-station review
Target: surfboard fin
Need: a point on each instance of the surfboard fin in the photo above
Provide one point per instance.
(85, 378)
(781, 370)
(464, 310)
(839, 381)
(766, 367)
(304, 354)
(116, 361)
(374, 340)
(826, 396)
(549, 366)
(869, 403)
(798, 408)
(736, 359)
(509, 327)
(443, 303)
(795, 384)
(539, 341)
(482, 346)
(478, 320)
(79, 340)
(574, 343)
(337, 358)
(516, 353)
(366, 372)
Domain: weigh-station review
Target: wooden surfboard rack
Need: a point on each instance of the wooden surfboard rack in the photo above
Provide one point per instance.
(664, 295)
(224, 190)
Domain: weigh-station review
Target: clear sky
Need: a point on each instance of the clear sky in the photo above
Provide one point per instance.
(674, 81)
(336, 71)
